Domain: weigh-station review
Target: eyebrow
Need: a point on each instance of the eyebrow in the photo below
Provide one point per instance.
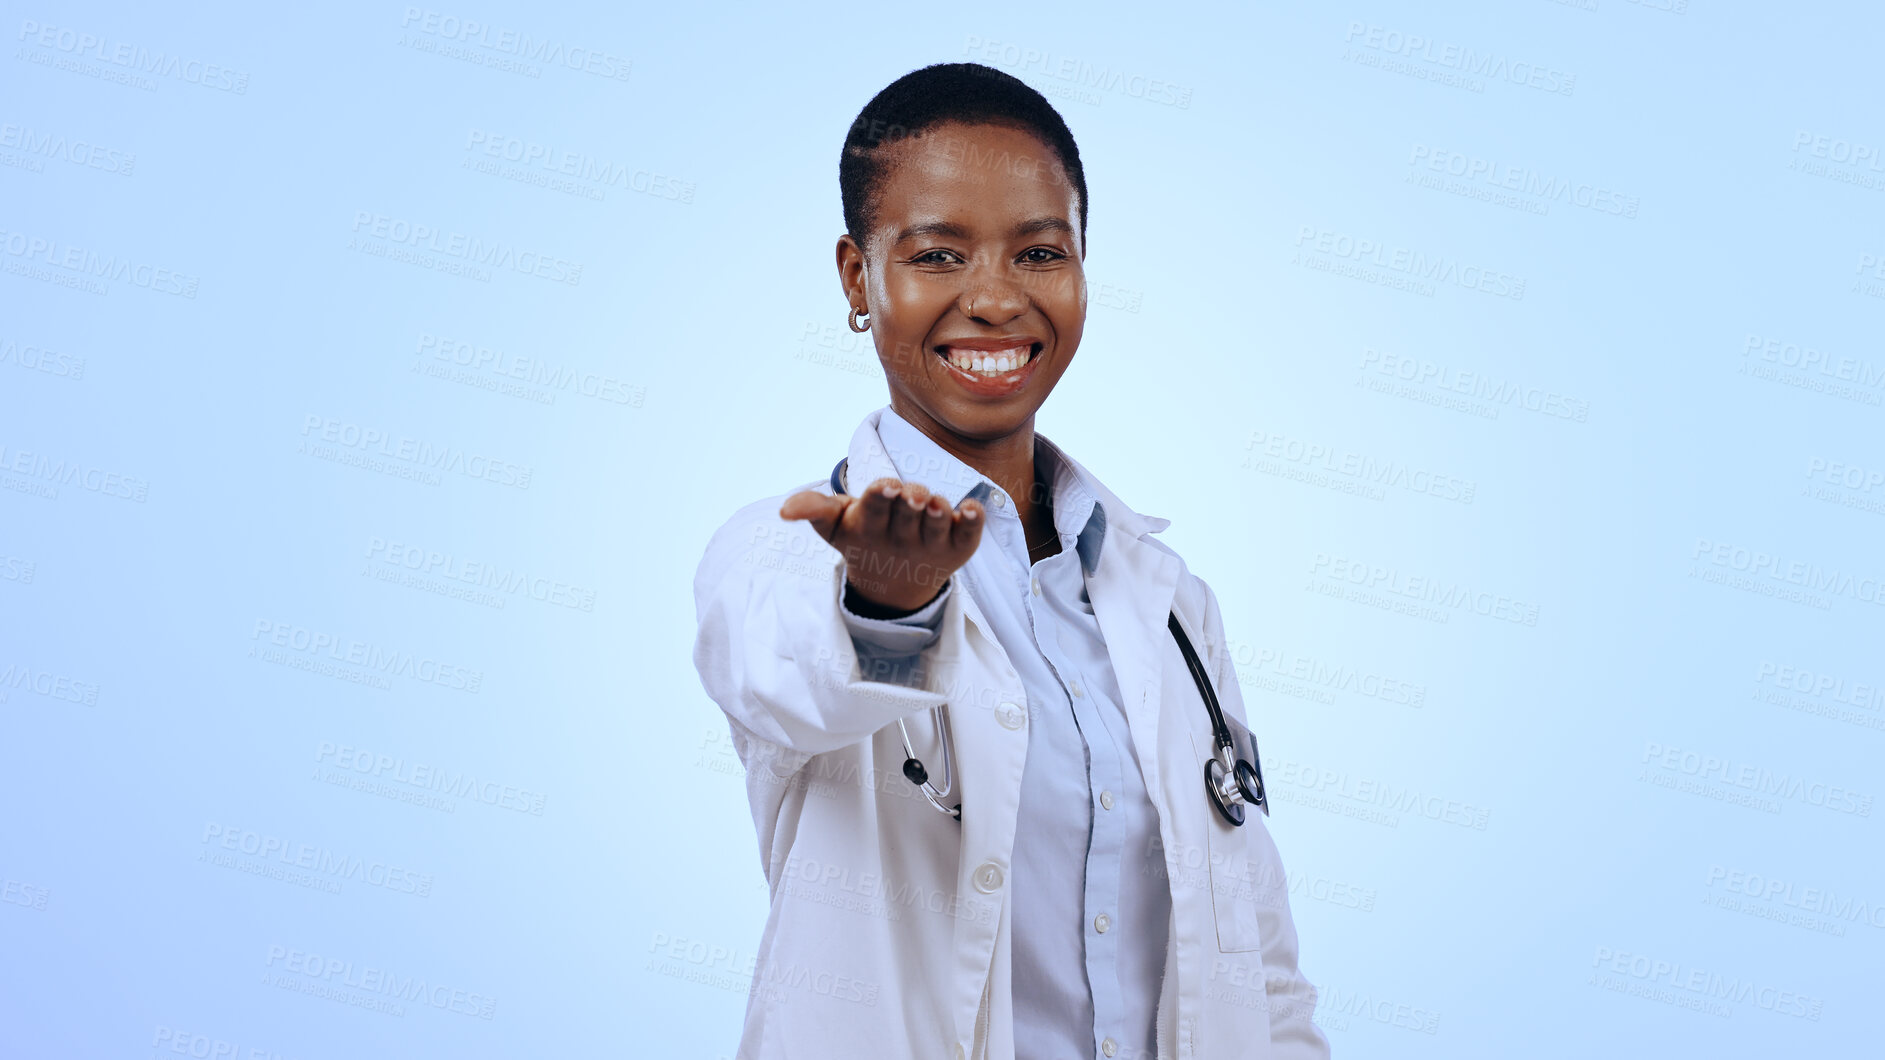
(951, 230)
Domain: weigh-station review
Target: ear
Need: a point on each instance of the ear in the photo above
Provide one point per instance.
(851, 272)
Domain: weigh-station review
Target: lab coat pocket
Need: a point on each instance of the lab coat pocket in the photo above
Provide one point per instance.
(1233, 883)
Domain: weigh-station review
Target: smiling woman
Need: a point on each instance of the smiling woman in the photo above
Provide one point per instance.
(966, 212)
(974, 572)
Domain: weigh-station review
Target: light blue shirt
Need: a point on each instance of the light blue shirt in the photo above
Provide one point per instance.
(1090, 922)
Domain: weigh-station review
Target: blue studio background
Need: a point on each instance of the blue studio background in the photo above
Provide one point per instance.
(372, 376)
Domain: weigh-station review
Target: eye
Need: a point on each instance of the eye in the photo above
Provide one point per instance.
(935, 257)
(1047, 255)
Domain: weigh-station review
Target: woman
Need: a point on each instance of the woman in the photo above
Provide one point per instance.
(1077, 895)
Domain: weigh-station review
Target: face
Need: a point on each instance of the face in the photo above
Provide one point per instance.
(975, 257)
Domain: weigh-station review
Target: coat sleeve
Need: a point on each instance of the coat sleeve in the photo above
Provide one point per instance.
(774, 649)
(1292, 998)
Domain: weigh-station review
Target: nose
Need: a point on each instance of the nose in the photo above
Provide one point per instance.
(992, 300)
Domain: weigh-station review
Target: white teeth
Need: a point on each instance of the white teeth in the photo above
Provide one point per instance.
(990, 364)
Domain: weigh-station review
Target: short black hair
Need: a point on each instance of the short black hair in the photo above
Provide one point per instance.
(921, 99)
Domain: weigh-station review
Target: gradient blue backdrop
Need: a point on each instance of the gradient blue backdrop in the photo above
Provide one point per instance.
(357, 463)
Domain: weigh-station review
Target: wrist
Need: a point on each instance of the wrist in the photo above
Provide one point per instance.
(865, 607)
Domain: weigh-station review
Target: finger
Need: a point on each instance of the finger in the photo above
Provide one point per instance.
(906, 525)
(821, 510)
(966, 531)
(936, 519)
(869, 519)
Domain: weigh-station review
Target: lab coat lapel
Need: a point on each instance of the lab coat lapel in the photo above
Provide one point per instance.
(1132, 592)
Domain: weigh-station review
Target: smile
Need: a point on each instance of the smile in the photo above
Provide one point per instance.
(988, 364)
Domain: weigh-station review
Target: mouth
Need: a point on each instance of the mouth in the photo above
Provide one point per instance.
(991, 367)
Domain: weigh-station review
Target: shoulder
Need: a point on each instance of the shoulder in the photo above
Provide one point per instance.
(1193, 598)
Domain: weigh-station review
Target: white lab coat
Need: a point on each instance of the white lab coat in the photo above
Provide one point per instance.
(890, 923)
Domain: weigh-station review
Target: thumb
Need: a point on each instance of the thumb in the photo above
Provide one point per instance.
(822, 511)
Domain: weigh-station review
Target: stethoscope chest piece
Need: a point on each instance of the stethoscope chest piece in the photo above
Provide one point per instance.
(1232, 787)
(1250, 782)
(1222, 789)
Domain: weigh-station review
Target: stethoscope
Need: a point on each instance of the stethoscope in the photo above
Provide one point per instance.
(1231, 782)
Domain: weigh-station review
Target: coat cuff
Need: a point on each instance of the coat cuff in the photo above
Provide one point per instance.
(888, 645)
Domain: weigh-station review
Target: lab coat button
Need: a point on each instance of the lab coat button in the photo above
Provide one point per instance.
(1011, 716)
(1109, 1047)
(1102, 922)
(1106, 800)
(988, 878)
(960, 1055)
(1075, 685)
(1037, 586)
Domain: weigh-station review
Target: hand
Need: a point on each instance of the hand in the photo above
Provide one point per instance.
(899, 541)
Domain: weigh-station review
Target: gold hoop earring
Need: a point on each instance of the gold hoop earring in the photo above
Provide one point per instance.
(867, 323)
